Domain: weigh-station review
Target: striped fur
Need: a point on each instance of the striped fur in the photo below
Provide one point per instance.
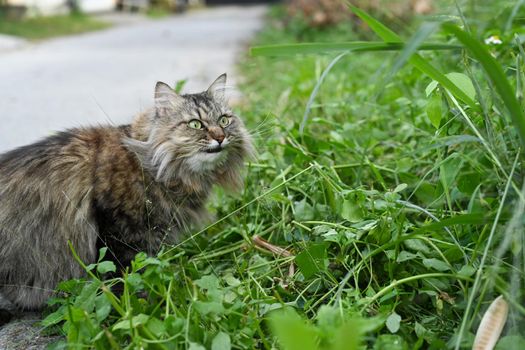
(130, 188)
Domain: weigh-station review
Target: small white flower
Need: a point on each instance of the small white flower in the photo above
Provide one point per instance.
(494, 40)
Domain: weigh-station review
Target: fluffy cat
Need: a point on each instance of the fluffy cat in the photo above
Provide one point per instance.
(130, 187)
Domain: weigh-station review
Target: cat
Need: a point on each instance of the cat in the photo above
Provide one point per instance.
(130, 188)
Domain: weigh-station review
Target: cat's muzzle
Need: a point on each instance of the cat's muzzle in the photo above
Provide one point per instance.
(216, 149)
(216, 146)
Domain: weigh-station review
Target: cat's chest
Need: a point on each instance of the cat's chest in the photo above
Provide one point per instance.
(172, 205)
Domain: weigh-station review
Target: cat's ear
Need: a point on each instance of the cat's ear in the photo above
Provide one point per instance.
(216, 89)
(166, 99)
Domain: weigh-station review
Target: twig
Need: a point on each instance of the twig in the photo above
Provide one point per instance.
(279, 251)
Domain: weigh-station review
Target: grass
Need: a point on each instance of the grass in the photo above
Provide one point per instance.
(158, 12)
(37, 28)
(399, 200)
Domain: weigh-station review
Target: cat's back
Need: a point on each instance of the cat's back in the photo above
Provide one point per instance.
(62, 158)
(58, 175)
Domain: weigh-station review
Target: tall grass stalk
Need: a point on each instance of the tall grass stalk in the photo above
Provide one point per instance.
(480, 270)
(417, 60)
(316, 90)
(495, 72)
(486, 145)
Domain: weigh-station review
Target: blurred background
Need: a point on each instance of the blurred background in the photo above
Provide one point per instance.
(66, 63)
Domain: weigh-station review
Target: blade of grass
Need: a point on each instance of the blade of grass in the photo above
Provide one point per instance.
(513, 233)
(513, 14)
(479, 272)
(316, 90)
(396, 283)
(492, 154)
(412, 45)
(317, 48)
(496, 75)
(461, 15)
(419, 62)
(379, 28)
(435, 218)
(424, 31)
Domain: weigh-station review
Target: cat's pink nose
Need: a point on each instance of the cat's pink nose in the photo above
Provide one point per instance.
(216, 134)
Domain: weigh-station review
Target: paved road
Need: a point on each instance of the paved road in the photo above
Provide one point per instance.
(108, 76)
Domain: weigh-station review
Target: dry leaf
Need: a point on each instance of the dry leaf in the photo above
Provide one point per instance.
(491, 325)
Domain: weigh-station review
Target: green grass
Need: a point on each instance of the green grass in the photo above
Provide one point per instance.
(37, 28)
(398, 197)
(158, 12)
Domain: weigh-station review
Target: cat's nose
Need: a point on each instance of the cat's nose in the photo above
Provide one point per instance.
(217, 134)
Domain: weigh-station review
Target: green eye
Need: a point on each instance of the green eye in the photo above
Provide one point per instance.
(195, 124)
(224, 121)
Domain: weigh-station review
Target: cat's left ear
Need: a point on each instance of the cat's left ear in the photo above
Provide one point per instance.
(216, 89)
(166, 99)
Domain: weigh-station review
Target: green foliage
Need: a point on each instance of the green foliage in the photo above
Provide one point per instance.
(496, 74)
(292, 332)
(400, 204)
(50, 26)
(332, 331)
(358, 46)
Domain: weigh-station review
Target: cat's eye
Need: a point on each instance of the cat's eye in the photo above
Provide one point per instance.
(195, 124)
(224, 121)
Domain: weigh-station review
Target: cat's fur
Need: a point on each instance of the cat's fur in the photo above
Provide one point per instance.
(129, 187)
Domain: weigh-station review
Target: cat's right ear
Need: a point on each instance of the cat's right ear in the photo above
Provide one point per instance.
(216, 89)
(166, 100)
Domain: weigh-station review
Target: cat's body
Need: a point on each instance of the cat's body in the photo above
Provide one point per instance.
(130, 188)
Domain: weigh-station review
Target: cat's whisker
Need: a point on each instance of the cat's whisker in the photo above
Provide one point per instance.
(108, 118)
(261, 130)
(259, 134)
(134, 249)
(25, 286)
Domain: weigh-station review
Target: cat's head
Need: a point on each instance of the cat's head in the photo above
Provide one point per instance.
(195, 138)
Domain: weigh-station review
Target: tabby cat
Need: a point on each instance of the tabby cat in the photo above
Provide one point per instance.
(130, 188)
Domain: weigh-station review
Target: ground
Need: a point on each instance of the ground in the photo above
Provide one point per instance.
(22, 334)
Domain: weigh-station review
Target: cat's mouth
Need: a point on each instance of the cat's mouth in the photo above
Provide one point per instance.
(213, 150)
